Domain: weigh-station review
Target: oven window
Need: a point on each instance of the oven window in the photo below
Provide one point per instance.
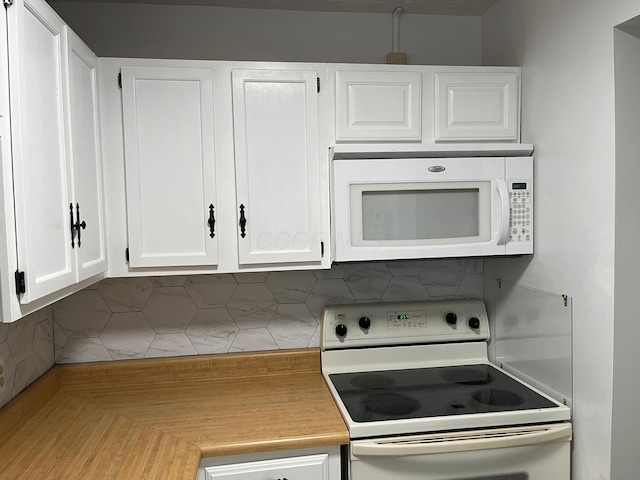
(420, 214)
(509, 476)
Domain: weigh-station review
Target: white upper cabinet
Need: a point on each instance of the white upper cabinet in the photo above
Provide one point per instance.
(49, 233)
(378, 106)
(275, 118)
(170, 166)
(84, 131)
(476, 106)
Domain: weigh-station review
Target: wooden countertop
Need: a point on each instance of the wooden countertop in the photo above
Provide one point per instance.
(155, 419)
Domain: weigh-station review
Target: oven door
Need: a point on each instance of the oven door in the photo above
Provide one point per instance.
(519, 453)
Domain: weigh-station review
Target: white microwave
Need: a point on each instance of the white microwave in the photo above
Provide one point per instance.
(404, 208)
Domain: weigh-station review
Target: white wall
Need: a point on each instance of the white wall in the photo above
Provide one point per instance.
(567, 54)
(214, 33)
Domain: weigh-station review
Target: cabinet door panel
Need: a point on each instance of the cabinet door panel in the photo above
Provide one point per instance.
(86, 158)
(169, 155)
(311, 467)
(476, 107)
(37, 51)
(378, 106)
(276, 141)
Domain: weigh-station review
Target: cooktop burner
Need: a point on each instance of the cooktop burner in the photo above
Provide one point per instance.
(432, 392)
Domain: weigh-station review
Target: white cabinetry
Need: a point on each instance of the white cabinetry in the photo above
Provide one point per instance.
(378, 106)
(170, 166)
(275, 115)
(54, 171)
(476, 106)
(308, 464)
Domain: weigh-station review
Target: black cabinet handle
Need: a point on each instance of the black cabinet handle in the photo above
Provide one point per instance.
(73, 227)
(211, 222)
(243, 222)
(78, 225)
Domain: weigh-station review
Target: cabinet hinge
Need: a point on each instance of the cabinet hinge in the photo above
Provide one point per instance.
(20, 283)
(7, 3)
(119, 79)
(126, 254)
(318, 83)
(321, 249)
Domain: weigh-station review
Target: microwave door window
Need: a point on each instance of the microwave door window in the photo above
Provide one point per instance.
(411, 216)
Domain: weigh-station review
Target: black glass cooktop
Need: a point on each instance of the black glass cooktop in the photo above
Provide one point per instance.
(433, 392)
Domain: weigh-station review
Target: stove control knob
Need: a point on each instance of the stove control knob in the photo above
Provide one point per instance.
(451, 318)
(365, 323)
(341, 330)
(474, 323)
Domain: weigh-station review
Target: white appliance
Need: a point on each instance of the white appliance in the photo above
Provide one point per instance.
(399, 208)
(422, 401)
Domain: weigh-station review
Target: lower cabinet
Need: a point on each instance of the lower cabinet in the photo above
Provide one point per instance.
(307, 464)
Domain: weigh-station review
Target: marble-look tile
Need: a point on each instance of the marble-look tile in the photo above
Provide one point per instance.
(127, 335)
(59, 340)
(26, 374)
(367, 280)
(169, 281)
(315, 339)
(292, 326)
(83, 314)
(471, 286)
(126, 294)
(252, 305)
(337, 270)
(291, 287)
(328, 292)
(170, 345)
(473, 265)
(402, 289)
(4, 331)
(251, 277)
(253, 340)
(20, 338)
(41, 315)
(405, 267)
(442, 278)
(94, 286)
(212, 330)
(169, 309)
(209, 291)
(9, 373)
(78, 350)
(43, 348)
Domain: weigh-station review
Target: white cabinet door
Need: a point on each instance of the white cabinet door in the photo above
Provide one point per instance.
(42, 180)
(169, 157)
(90, 239)
(275, 117)
(476, 107)
(310, 467)
(378, 106)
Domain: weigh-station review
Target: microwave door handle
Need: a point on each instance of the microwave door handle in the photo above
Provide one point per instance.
(465, 442)
(503, 193)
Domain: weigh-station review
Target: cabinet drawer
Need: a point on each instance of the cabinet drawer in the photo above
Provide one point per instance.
(309, 467)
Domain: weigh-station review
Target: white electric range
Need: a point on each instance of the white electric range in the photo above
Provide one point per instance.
(419, 396)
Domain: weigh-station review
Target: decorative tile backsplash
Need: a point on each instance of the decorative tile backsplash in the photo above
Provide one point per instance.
(144, 317)
(126, 318)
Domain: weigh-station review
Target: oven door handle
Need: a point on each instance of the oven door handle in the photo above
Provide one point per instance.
(462, 441)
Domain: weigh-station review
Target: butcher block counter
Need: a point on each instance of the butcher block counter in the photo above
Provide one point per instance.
(156, 419)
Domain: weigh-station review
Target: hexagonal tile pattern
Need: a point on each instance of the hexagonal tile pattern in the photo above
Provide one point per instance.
(212, 330)
(170, 345)
(403, 289)
(328, 292)
(291, 287)
(367, 281)
(127, 335)
(441, 278)
(169, 281)
(252, 305)
(292, 326)
(83, 314)
(169, 310)
(209, 291)
(20, 338)
(78, 350)
(253, 340)
(126, 294)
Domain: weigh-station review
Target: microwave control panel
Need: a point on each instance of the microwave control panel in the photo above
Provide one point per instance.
(520, 211)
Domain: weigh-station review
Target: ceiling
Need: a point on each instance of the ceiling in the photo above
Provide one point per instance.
(432, 7)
